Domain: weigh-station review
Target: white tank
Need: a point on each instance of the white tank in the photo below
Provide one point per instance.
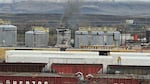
(97, 38)
(8, 35)
(81, 38)
(36, 39)
(109, 38)
(117, 39)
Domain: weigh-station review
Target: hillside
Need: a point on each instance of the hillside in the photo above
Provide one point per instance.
(106, 8)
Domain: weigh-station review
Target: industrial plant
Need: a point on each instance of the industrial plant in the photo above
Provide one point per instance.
(84, 36)
(73, 47)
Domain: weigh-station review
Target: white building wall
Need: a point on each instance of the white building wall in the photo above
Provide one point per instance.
(139, 59)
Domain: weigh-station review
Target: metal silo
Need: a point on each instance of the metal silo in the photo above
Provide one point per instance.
(117, 39)
(81, 38)
(109, 38)
(36, 39)
(8, 35)
(97, 38)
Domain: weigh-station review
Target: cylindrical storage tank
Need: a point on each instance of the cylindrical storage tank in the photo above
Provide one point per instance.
(117, 37)
(8, 35)
(36, 39)
(125, 37)
(109, 38)
(148, 36)
(81, 38)
(97, 38)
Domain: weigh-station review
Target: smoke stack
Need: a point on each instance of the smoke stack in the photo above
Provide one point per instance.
(68, 20)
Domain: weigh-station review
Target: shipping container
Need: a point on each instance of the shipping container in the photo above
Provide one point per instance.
(21, 67)
(74, 68)
(128, 69)
(101, 60)
(35, 78)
